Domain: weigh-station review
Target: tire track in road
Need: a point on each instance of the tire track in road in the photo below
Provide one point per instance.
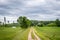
(35, 36)
(29, 35)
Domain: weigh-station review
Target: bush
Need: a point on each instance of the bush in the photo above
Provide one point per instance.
(40, 25)
(51, 24)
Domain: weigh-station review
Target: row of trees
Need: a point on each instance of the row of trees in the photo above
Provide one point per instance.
(24, 22)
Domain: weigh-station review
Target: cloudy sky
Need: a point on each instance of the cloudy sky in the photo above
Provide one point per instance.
(33, 9)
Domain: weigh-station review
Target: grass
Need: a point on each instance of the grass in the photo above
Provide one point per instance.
(45, 33)
(23, 35)
(48, 33)
(9, 33)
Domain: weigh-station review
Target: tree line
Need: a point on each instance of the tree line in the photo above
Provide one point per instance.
(24, 22)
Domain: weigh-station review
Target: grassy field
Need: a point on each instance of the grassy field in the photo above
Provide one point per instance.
(45, 33)
(48, 33)
(9, 33)
(22, 35)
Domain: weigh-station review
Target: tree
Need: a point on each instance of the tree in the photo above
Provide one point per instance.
(4, 20)
(8, 22)
(23, 21)
(40, 24)
(51, 24)
(0, 22)
(57, 22)
(34, 22)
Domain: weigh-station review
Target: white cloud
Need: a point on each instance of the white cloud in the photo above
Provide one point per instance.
(3, 1)
(32, 3)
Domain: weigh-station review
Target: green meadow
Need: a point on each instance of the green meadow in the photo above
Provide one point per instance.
(45, 33)
(48, 33)
(9, 33)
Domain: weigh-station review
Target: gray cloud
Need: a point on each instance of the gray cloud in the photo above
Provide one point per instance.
(38, 9)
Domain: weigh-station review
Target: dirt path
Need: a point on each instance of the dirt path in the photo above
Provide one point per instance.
(30, 35)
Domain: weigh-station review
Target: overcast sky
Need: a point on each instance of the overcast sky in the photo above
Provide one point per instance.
(33, 9)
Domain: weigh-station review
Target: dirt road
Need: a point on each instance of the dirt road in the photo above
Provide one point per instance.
(30, 35)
